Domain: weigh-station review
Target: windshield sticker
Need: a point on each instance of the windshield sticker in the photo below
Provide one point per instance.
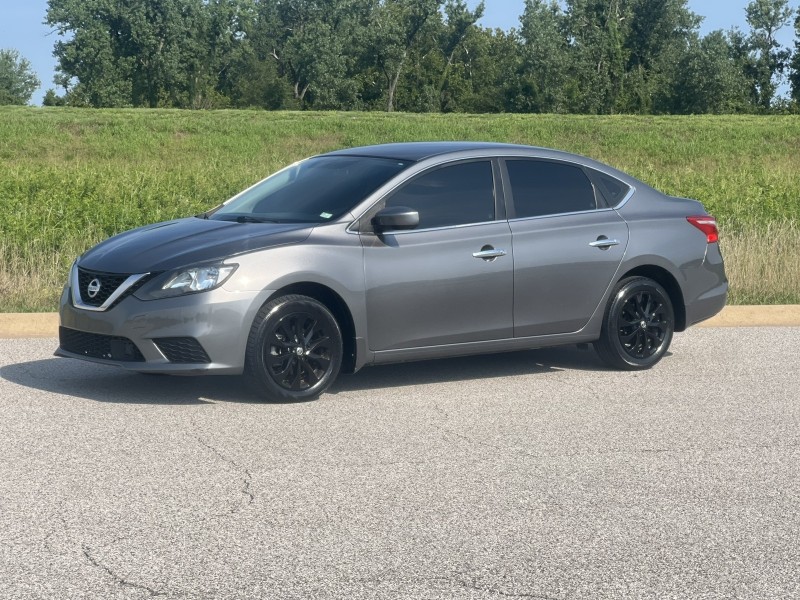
(326, 215)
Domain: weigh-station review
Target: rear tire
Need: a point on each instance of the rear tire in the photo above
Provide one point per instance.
(638, 325)
(294, 350)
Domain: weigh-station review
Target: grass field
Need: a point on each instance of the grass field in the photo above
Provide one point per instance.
(71, 177)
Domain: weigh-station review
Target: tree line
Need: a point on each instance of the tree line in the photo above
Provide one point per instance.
(574, 56)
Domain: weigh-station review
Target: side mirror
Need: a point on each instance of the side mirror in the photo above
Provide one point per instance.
(395, 218)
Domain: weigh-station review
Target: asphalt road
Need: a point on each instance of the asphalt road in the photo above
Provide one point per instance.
(529, 475)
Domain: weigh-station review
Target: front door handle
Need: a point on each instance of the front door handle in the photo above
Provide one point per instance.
(489, 253)
(604, 243)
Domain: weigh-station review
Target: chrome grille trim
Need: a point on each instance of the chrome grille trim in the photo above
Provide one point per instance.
(78, 302)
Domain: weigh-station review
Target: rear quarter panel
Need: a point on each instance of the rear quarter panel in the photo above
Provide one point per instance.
(660, 235)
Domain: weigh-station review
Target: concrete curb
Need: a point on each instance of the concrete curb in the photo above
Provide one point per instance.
(778, 315)
(28, 325)
(32, 325)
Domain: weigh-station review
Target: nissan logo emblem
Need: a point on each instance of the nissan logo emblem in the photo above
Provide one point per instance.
(93, 288)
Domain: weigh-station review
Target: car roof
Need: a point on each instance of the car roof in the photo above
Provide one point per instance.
(416, 151)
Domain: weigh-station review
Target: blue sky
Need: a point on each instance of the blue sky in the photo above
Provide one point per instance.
(21, 27)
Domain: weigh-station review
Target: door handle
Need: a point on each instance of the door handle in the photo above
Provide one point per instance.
(489, 253)
(604, 243)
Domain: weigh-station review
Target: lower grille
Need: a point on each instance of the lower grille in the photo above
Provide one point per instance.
(184, 350)
(95, 345)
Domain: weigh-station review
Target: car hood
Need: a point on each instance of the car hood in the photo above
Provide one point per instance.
(175, 244)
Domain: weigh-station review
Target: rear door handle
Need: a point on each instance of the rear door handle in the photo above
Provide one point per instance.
(489, 253)
(603, 243)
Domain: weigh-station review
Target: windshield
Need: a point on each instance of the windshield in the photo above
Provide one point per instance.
(316, 190)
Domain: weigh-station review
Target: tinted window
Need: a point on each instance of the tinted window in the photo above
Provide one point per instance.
(312, 191)
(613, 189)
(454, 195)
(542, 187)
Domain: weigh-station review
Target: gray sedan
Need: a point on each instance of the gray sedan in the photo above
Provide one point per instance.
(399, 252)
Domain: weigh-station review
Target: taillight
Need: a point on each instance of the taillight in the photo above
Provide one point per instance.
(708, 225)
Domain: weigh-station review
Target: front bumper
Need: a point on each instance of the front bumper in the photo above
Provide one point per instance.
(155, 336)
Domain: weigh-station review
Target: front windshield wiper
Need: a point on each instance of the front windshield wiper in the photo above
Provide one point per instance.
(252, 219)
(247, 219)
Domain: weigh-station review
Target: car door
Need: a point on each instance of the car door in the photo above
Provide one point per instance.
(449, 280)
(567, 244)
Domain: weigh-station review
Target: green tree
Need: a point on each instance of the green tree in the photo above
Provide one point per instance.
(546, 58)
(660, 34)
(94, 67)
(157, 36)
(255, 82)
(218, 41)
(317, 45)
(492, 70)
(460, 23)
(396, 27)
(17, 79)
(598, 30)
(769, 60)
(740, 53)
(794, 75)
(147, 52)
(51, 98)
(436, 74)
(708, 79)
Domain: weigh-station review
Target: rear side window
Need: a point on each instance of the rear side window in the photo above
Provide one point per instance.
(614, 190)
(541, 187)
(448, 196)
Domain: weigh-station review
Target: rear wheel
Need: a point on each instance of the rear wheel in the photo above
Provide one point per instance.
(638, 325)
(294, 350)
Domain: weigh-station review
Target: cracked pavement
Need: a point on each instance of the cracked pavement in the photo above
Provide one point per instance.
(535, 474)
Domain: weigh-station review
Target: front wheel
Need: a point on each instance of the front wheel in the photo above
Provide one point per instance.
(638, 325)
(294, 350)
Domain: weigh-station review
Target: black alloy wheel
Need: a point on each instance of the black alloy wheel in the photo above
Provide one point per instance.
(294, 351)
(297, 351)
(638, 325)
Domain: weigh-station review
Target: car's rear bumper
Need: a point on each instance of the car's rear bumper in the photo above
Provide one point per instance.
(707, 305)
(710, 278)
(190, 335)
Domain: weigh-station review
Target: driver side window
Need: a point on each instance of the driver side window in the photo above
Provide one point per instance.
(453, 195)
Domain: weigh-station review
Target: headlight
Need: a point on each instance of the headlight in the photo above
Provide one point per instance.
(198, 279)
(188, 281)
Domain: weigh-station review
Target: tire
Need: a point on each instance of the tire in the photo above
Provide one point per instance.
(637, 326)
(294, 350)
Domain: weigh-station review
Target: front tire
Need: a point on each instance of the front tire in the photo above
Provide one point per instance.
(294, 350)
(638, 325)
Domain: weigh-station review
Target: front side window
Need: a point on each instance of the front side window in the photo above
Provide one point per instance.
(541, 187)
(454, 195)
(316, 190)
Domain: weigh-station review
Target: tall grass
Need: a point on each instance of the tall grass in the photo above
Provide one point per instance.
(763, 264)
(71, 177)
